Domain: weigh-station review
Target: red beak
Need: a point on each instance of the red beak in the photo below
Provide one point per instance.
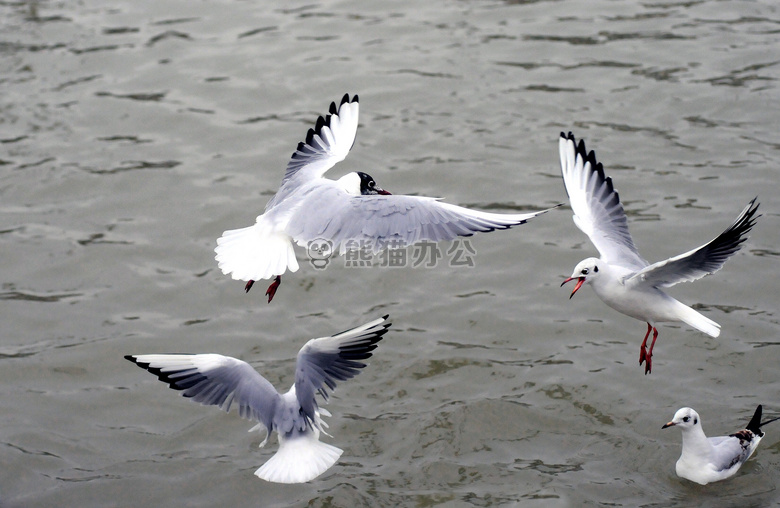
(580, 282)
(382, 192)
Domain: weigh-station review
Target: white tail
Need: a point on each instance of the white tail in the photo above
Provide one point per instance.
(692, 318)
(299, 459)
(253, 253)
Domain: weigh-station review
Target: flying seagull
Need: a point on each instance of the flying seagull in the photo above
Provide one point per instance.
(351, 212)
(711, 459)
(621, 277)
(217, 380)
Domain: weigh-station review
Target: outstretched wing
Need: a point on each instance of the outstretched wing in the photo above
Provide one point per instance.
(322, 362)
(374, 222)
(327, 143)
(216, 380)
(704, 260)
(596, 204)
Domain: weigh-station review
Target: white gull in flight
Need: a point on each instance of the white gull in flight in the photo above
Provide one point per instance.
(217, 380)
(351, 212)
(621, 277)
(711, 459)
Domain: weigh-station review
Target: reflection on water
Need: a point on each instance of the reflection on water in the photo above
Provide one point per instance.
(134, 133)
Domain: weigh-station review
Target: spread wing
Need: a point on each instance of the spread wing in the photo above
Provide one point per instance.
(324, 361)
(216, 380)
(327, 143)
(596, 204)
(377, 221)
(704, 260)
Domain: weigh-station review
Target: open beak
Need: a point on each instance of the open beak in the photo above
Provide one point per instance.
(580, 282)
(670, 424)
(382, 192)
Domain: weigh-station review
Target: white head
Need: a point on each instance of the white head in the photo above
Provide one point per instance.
(685, 418)
(586, 270)
(359, 183)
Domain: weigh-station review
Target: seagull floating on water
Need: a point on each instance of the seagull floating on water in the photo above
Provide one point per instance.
(351, 212)
(711, 459)
(621, 277)
(217, 380)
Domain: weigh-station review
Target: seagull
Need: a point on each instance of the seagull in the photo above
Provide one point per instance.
(350, 213)
(217, 380)
(711, 459)
(621, 277)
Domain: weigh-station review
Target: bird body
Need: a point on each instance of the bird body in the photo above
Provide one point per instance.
(709, 459)
(213, 379)
(351, 212)
(621, 277)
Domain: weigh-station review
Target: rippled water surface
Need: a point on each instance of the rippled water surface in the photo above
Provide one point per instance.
(134, 133)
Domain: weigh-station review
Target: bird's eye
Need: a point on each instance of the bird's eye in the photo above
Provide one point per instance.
(585, 271)
(596, 269)
(686, 418)
(372, 183)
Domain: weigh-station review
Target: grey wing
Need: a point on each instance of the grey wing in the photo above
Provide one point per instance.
(728, 451)
(379, 221)
(704, 260)
(596, 204)
(322, 362)
(327, 143)
(217, 380)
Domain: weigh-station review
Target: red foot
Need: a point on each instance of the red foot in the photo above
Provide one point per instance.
(248, 286)
(649, 364)
(271, 291)
(645, 355)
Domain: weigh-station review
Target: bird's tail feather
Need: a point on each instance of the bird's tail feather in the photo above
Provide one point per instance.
(755, 422)
(702, 323)
(252, 253)
(300, 459)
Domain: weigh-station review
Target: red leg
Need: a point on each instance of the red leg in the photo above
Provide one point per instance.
(649, 365)
(271, 291)
(642, 350)
(248, 286)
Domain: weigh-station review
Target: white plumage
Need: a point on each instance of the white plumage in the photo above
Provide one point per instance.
(710, 459)
(351, 212)
(621, 278)
(213, 379)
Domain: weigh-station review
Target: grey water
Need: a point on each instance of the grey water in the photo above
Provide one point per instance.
(132, 133)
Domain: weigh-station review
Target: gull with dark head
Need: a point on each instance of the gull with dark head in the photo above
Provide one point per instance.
(217, 380)
(349, 212)
(710, 459)
(621, 277)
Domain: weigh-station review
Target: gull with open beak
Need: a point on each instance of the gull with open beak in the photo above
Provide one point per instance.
(621, 277)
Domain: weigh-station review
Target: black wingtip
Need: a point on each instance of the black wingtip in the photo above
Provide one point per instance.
(131, 358)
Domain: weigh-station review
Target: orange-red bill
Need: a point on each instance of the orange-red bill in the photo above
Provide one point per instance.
(580, 282)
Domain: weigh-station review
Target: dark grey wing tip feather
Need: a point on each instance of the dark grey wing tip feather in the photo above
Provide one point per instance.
(731, 240)
(173, 378)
